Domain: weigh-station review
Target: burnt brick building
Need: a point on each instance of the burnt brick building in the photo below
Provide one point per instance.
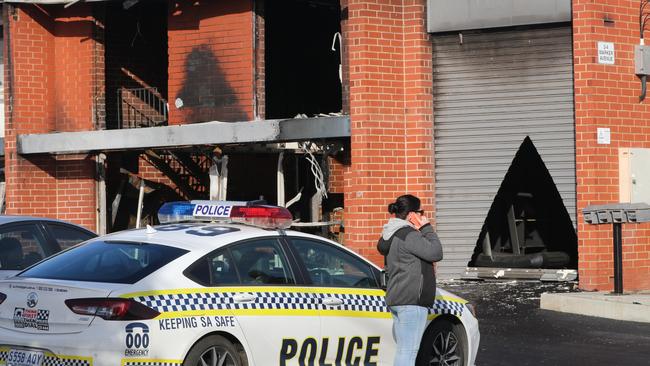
(506, 118)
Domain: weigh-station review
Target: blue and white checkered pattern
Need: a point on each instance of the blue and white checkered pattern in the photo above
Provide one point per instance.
(281, 300)
(53, 361)
(264, 301)
(441, 307)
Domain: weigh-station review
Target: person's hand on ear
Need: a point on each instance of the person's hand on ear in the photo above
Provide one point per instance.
(417, 219)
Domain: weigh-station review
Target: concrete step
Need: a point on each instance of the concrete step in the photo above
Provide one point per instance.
(628, 307)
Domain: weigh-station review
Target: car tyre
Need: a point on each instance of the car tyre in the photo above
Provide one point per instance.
(443, 344)
(215, 350)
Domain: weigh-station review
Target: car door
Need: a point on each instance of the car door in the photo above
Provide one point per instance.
(21, 245)
(277, 317)
(355, 321)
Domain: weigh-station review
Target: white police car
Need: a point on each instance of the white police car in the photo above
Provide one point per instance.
(237, 291)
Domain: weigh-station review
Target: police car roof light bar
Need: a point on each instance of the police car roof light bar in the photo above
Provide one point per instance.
(268, 217)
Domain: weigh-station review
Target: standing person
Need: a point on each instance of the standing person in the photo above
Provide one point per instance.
(410, 247)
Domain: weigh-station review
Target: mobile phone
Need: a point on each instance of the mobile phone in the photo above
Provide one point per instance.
(413, 219)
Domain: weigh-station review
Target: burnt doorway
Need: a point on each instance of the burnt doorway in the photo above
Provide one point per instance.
(528, 225)
(482, 113)
(302, 71)
(136, 56)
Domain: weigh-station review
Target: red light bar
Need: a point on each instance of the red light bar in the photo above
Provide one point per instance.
(270, 217)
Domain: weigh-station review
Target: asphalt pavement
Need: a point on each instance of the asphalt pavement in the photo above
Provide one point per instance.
(515, 331)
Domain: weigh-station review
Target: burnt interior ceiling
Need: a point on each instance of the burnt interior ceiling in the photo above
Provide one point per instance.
(122, 186)
(135, 54)
(527, 225)
(260, 182)
(302, 71)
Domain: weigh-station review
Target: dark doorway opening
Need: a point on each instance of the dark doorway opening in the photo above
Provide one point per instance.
(528, 225)
(302, 70)
(136, 60)
(260, 182)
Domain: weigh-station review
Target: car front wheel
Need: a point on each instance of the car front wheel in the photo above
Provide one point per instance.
(214, 350)
(443, 344)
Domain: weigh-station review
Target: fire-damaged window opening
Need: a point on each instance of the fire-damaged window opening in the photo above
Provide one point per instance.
(124, 181)
(302, 57)
(305, 175)
(528, 225)
(136, 64)
(252, 174)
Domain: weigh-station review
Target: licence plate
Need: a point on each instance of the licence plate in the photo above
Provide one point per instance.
(19, 357)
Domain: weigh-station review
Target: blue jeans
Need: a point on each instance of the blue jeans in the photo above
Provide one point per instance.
(409, 322)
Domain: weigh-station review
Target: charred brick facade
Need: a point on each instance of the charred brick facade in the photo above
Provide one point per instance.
(58, 78)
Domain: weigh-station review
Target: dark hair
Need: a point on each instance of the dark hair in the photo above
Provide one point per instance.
(403, 205)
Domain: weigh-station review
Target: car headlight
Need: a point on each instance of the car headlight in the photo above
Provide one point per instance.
(471, 308)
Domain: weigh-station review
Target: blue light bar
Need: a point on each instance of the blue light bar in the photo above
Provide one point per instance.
(176, 212)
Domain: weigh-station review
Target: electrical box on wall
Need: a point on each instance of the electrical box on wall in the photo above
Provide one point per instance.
(634, 175)
(642, 60)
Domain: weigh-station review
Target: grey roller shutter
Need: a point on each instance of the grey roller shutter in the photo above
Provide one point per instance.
(490, 92)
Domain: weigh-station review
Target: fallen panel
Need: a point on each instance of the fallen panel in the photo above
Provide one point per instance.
(487, 273)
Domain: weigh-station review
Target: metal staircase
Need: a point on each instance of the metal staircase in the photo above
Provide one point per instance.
(189, 172)
(141, 107)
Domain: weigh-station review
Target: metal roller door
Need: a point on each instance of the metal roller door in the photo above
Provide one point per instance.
(490, 92)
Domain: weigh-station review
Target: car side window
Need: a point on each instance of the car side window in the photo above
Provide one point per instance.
(21, 246)
(216, 269)
(331, 266)
(67, 236)
(262, 261)
(253, 262)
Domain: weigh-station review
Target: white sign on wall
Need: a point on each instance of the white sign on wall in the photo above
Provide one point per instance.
(606, 53)
(604, 136)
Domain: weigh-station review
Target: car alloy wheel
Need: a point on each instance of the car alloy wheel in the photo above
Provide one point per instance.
(215, 350)
(445, 350)
(443, 344)
(216, 356)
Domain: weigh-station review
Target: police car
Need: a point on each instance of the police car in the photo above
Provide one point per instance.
(217, 283)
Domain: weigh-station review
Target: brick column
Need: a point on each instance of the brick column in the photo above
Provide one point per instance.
(391, 112)
(607, 96)
(49, 72)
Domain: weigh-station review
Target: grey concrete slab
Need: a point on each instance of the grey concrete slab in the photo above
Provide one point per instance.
(628, 307)
(206, 133)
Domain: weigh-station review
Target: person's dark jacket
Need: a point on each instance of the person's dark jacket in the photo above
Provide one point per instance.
(409, 263)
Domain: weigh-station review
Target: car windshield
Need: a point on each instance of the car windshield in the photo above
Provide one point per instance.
(105, 261)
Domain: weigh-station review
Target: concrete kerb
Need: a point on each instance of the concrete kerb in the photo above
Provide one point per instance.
(627, 307)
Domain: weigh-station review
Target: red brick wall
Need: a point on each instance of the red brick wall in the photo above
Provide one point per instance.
(337, 175)
(75, 190)
(211, 64)
(50, 81)
(607, 96)
(73, 68)
(391, 114)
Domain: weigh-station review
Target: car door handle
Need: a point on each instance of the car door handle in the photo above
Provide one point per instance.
(244, 298)
(332, 301)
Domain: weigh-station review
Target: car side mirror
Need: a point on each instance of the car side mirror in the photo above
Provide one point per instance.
(383, 279)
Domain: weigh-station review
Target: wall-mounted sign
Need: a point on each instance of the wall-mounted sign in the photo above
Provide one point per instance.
(604, 136)
(606, 53)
